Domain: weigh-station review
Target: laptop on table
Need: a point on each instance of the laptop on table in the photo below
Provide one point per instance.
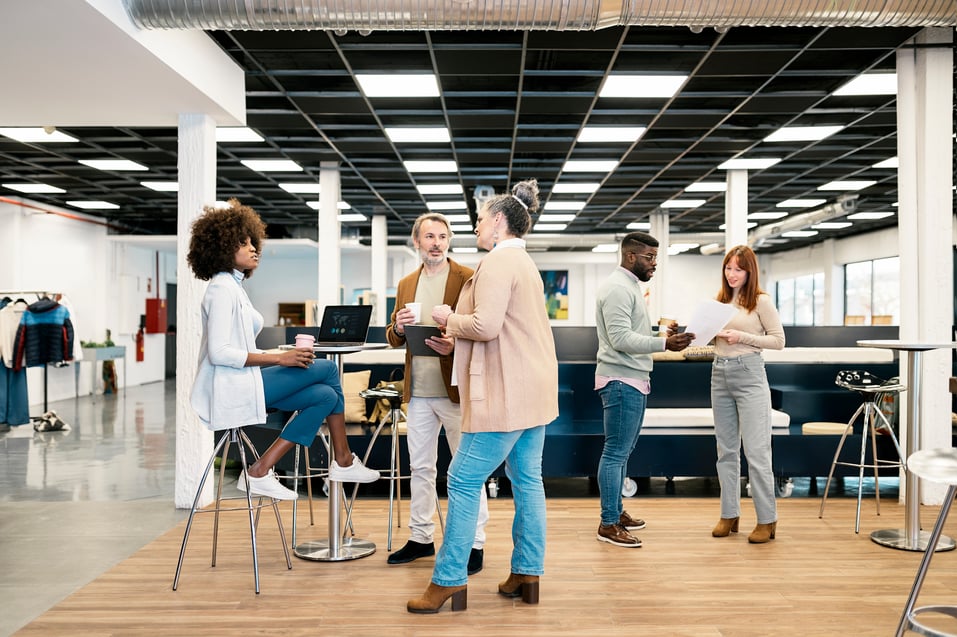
(344, 325)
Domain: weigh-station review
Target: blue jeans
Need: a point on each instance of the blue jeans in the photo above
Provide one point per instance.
(741, 402)
(478, 455)
(623, 411)
(315, 391)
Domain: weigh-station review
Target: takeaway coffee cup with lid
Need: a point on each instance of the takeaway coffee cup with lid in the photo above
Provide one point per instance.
(305, 341)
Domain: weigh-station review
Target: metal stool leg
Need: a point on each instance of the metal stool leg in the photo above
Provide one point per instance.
(837, 454)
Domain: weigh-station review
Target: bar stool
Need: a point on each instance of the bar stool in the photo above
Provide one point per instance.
(936, 465)
(230, 436)
(872, 390)
(394, 473)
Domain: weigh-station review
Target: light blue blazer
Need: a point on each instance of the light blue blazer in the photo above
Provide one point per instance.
(226, 393)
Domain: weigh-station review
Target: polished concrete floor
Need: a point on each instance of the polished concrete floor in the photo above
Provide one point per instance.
(75, 503)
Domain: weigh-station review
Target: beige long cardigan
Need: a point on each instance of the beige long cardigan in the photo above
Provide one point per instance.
(505, 361)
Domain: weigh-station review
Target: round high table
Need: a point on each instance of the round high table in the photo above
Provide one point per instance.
(336, 548)
(911, 538)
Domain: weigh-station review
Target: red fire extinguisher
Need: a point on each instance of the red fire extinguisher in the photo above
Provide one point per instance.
(140, 345)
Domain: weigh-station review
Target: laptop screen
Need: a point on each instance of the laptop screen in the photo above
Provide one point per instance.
(345, 323)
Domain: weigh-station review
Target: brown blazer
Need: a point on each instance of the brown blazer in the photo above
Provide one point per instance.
(505, 360)
(405, 293)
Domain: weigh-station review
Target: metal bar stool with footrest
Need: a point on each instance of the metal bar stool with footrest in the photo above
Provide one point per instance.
(872, 390)
(230, 436)
(936, 465)
(393, 474)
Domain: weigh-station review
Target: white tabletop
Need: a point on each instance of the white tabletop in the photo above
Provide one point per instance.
(340, 349)
(906, 345)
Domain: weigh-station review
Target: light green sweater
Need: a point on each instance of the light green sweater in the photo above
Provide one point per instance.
(625, 340)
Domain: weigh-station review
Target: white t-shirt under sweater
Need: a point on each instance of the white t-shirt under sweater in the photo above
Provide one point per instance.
(426, 372)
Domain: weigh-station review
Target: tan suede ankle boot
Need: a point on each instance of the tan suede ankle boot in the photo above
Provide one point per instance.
(763, 533)
(725, 526)
(435, 596)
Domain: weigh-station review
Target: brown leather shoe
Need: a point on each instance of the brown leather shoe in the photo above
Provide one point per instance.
(517, 585)
(435, 596)
(617, 534)
(725, 527)
(630, 523)
(763, 533)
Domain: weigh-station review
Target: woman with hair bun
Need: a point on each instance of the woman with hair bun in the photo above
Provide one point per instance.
(507, 375)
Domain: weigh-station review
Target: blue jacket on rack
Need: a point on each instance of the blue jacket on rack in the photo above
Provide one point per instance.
(45, 335)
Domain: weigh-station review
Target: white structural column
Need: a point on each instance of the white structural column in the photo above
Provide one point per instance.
(658, 305)
(736, 209)
(196, 167)
(925, 223)
(330, 264)
(378, 264)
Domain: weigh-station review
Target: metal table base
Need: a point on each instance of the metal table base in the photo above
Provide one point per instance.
(335, 548)
(898, 539)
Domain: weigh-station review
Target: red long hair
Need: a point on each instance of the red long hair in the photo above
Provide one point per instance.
(751, 290)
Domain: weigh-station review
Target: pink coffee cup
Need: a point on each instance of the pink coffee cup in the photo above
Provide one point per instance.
(305, 341)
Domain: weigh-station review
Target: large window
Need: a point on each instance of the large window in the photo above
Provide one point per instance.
(872, 292)
(800, 300)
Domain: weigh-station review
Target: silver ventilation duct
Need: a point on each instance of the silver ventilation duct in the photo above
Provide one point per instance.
(540, 15)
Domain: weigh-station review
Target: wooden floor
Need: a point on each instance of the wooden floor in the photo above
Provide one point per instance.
(816, 578)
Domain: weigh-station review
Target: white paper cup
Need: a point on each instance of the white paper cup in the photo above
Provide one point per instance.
(305, 341)
(416, 310)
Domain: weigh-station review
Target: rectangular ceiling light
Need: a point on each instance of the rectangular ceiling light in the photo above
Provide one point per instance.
(430, 166)
(584, 187)
(802, 133)
(564, 205)
(353, 217)
(549, 227)
(311, 188)
(589, 166)
(272, 165)
(800, 203)
(832, 225)
(743, 163)
(748, 225)
(892, 162)
(237, 134)
(93, 205)
(466, 228)
(796, 234)
(37, 135)
(161, 186)
(113, 164)
(707, 186)
(553, 218)
(457, 218)
(446, 205)
(850, 184)
(418, 134)
(342, 205)
(639, 225)
(628, 85)
(683, 203)
(605, 247)
(613, 134)
(869, 216)
(465, 250)
(35, 189)
(870, 84)
(440, 189)
(767, 215)
(398, 85)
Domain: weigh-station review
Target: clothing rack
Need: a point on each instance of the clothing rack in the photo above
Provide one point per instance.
(39, 294)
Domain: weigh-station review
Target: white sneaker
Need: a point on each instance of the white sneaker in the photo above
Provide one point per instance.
(268, 485)
(356, 472)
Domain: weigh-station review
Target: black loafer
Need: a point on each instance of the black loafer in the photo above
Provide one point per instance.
(411, 552)
(476, 560)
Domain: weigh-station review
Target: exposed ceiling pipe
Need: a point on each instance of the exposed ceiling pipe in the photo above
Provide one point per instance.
(549, 15)
(59, 213)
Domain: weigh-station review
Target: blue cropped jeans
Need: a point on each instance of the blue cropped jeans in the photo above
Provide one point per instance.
(315, 391)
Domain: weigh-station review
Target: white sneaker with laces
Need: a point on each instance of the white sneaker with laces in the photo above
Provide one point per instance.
(356, 472)
(268, 486)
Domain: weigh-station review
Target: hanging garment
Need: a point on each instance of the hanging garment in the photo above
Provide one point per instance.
(10, 315)
(45, 335)
(14, 400)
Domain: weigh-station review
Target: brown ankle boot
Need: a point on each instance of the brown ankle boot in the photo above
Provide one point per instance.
(517, 585)
(763, 533)
(435, 596)
(725, 526)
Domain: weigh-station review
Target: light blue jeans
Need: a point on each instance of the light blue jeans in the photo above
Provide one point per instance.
(741, 402)
(478, 455)
(623, 411)
(315, 391)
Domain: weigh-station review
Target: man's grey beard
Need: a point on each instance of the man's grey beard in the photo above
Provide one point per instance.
(432, 261)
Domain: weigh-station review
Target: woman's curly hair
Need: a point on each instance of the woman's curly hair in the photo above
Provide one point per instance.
(216, 236)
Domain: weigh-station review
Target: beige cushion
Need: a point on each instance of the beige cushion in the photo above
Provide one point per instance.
(825, 428)
(352, 384)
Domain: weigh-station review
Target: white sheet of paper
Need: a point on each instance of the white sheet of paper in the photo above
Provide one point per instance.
(708, 319)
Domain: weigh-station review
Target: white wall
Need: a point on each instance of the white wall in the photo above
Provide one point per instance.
(74, 257)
